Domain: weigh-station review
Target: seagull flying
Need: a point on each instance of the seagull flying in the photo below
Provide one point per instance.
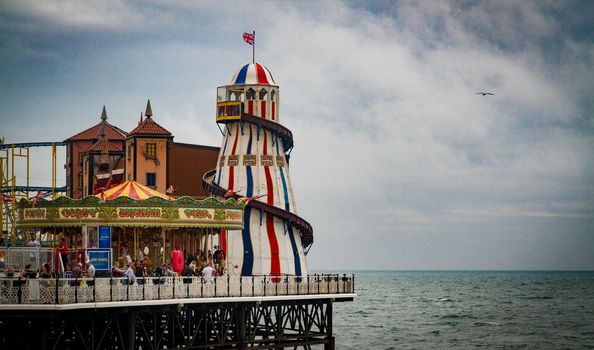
(484, 93)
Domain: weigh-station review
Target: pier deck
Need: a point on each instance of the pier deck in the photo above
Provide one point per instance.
(260, 312)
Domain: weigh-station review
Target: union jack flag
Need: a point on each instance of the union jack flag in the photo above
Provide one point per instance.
(249, 38)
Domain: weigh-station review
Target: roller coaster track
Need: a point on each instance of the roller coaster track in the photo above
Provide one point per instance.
(287, 139)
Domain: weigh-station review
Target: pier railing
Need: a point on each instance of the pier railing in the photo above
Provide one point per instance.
(70, 291)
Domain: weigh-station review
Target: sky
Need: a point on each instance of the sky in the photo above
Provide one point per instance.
(398, 164)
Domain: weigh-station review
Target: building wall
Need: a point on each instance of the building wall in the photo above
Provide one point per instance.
(129, 159)
(157, 166)
(187, 165)
(78, 147)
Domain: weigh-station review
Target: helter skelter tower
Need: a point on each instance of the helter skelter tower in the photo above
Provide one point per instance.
(254, 163)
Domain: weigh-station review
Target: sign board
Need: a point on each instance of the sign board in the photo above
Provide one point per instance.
(100, 258)
(105, 237)
(133, 216)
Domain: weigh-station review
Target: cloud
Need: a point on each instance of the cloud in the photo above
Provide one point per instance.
(86, 15)
(390, 137)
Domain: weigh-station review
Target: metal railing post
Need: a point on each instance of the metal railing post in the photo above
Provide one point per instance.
(253, 286)
(328, 277)
(308, 284)
(353, 282)
(215, 281)
(94, 288)
(264, 285)
(287, 280)
(318, 282)
(19, 292)
(128, 289)
(202, 287)
(276, 285)
(240, 286)
(76, 290)
(143, 284)
(110, 288)
(57, 286)
(228, 287)
(173, 287)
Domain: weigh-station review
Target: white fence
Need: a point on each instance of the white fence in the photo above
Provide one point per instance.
(67, 291)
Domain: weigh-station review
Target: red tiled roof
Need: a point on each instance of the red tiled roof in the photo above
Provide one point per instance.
(149, 127)
(104, 145)
(93, 133)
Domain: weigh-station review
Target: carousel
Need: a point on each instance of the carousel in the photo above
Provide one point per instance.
(132, 222)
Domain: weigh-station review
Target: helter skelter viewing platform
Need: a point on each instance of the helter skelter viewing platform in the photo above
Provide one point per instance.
(265, 296)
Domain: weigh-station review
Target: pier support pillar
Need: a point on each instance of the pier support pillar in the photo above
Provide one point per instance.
(131, 329)
(329, 345)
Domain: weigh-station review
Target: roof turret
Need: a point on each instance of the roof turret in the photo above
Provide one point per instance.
(148, 127)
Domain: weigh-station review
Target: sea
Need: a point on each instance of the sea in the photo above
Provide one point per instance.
(467, 310)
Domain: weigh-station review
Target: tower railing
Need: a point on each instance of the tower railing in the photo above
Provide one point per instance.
(105, 289)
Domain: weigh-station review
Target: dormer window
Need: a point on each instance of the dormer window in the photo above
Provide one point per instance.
(262, 94)
(250, 94)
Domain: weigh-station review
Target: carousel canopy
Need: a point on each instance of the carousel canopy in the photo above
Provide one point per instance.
(131, 189)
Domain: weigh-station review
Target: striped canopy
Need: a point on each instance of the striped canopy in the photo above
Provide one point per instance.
(252, 74)
(133, 190)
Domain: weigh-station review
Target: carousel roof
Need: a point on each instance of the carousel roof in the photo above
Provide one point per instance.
(252, 74)
(131, 189)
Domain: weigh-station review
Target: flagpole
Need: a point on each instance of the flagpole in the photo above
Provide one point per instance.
(254, 48)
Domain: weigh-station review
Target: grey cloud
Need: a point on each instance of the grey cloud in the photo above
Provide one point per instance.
(392, 144)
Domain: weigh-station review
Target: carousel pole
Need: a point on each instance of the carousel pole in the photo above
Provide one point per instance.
(164, 247)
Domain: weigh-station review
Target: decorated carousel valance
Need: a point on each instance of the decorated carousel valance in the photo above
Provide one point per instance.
(128, 212)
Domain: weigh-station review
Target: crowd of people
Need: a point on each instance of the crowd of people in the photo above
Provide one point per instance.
(70, 265)
(207, 265)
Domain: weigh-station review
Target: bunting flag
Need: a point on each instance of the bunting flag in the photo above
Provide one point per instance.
(230, 194)
(249, 199)
(249, 38)
(38, 197)
(5, 197)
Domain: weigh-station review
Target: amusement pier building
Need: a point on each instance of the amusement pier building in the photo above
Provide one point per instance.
(147, 218)
(104, 156)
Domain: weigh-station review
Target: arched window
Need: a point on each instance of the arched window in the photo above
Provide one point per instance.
(250, 94)
(273, 95)
(236, 95)
(262, 94)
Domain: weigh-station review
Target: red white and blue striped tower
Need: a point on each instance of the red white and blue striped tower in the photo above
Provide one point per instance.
(253, 162)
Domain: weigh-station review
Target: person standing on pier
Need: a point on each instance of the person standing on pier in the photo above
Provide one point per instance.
(208, 272)
(63, 251)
